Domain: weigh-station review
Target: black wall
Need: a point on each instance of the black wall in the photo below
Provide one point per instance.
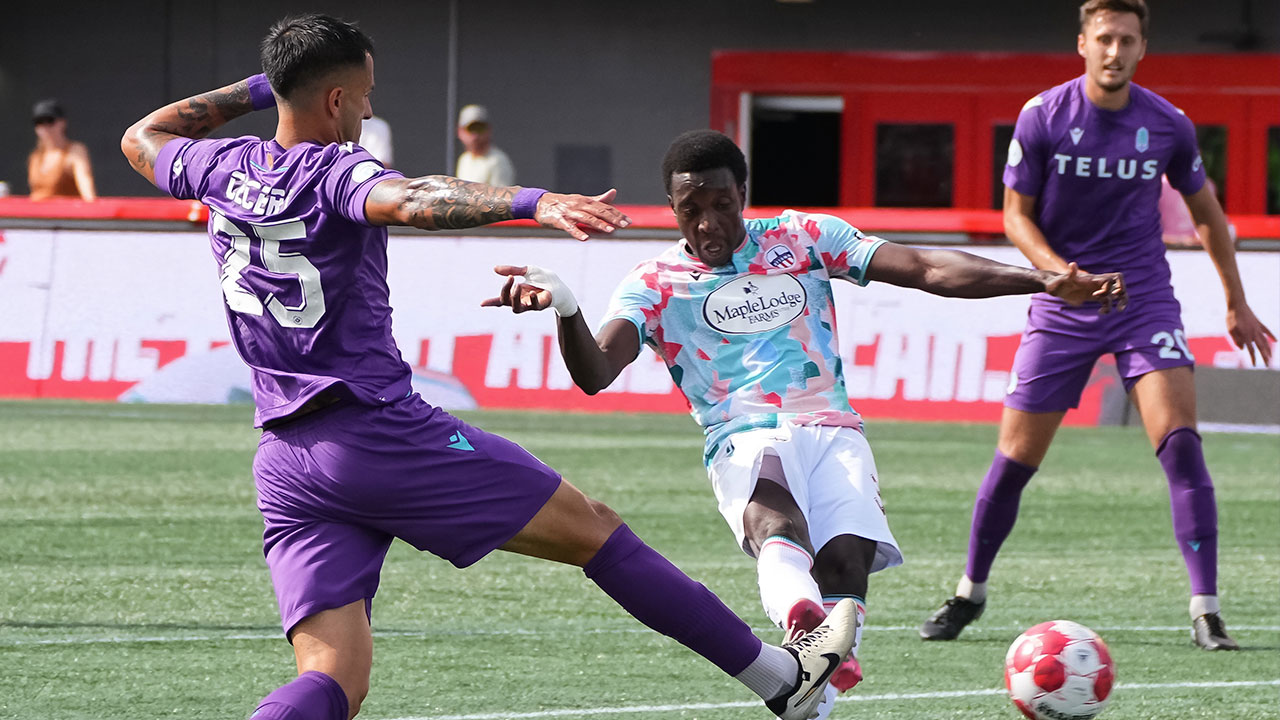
(626, 75)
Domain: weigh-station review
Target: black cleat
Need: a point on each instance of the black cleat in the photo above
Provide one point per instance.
(1208, 632)
(951, 618)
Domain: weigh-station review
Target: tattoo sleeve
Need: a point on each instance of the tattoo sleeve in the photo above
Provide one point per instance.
(447, 203)
(194, 117)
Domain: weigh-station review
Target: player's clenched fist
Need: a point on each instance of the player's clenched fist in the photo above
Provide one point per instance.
(1077, 287)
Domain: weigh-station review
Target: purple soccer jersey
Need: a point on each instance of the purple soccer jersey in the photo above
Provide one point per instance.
(303, 272)
(1095, 175)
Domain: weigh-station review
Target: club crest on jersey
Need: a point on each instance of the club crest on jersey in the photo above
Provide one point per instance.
(780, 256)
(1076, 134)
(754, 303)
(1141, 140)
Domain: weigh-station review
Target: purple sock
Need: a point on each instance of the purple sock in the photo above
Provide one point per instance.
(312, 696)
(994, 512)
(659, 595)
(1195, 512)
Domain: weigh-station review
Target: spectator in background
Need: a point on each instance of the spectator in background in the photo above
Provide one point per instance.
(58, 166)
(482, 162)
(375, 136)
(1179, 229)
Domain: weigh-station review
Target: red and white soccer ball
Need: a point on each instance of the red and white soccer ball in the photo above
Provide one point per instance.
(1059, 670)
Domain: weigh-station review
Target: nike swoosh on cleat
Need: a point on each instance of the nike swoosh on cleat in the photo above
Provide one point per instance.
(833, 662)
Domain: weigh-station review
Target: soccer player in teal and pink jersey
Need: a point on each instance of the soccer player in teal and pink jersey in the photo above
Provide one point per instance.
(742, 313)
(350, 457)
(1082, 186)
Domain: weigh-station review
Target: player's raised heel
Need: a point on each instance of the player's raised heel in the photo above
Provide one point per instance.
(1210, 633)
(951, 618)
(802, 618)
(818, 653)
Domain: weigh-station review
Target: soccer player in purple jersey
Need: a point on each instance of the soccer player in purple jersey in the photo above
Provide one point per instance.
(1082, 185)
(350, 458)
(792, 473)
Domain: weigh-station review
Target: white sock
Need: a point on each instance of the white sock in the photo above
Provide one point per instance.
(972, 591)
(772, 673)
(1204, 604)
(829, 604)
(783, 570)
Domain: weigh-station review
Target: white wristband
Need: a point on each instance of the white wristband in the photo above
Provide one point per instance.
(562, 299)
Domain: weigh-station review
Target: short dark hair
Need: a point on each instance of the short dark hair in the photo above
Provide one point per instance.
(300, 50)
(699, 150)
(1137, 7)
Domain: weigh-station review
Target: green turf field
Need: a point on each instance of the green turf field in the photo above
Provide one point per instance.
(132, 583)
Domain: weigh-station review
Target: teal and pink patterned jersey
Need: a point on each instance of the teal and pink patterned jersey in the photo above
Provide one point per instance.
(752, 344)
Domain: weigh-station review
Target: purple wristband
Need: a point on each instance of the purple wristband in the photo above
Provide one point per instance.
(260, 95)
(525, 204)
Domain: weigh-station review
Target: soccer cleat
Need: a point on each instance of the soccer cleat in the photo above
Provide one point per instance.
(951, 618)
(803, 617)
(818, 653)
(847, 675)
(1208, 632)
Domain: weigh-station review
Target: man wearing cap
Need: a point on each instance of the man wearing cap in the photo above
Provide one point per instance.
(57, 166)
(482, 162)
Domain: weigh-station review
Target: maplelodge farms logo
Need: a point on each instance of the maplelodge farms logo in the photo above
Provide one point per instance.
(754, 303)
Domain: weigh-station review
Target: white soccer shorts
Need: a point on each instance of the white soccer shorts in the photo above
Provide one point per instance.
(830, 472)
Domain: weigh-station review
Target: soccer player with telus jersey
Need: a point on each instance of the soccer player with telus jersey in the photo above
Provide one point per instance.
(350, 457)
(1082, 185)
(742, 313)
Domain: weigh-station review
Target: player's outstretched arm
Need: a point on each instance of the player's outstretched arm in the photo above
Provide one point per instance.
(1247, 332)
(951, 273)
(194, 117)
(1021, 228)
(593, 361)
(440, 202)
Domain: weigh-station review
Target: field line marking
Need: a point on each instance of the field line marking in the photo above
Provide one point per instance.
(119, 639)
(634, 709)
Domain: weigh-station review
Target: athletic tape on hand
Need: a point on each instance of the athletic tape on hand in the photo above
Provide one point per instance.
(562, 299)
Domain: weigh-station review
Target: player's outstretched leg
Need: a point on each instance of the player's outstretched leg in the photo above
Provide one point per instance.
(572, 528)
(994, 514)
(1195, 526)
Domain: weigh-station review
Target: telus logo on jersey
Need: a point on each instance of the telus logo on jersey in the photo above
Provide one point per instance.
(1105, 167)
(754, 303)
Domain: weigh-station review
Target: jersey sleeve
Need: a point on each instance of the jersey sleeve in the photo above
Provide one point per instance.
(1185, 169)
(348, 182)
(1028, 150)
(638, 300)
(183, 165)
(844, 250)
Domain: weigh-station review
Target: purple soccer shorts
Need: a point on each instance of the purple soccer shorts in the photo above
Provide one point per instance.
(1061, 344)
(336, 487)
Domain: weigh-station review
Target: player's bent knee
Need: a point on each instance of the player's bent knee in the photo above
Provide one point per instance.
(760, 527)
(606, 519)
(844, 560)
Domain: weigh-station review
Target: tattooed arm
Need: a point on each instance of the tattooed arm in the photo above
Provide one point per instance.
(194, 118)
(438, 202)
